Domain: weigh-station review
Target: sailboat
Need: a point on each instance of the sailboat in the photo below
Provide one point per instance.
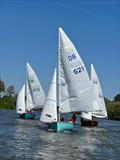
(31, 95)
(89, 118)
(70, 90)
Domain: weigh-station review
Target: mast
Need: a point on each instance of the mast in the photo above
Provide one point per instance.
(26, 90)
(58, 82)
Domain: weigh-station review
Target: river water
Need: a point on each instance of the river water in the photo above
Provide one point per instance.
(30, 140)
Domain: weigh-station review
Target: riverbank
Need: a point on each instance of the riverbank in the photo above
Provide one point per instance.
(8, 102)
(113, 107)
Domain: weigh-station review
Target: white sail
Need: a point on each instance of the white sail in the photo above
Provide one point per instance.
(37, 93)
(81, 95)
(49, 112)
(28, 99)
(20, 106)
(102, 113)
(62, 89)
(86, 115)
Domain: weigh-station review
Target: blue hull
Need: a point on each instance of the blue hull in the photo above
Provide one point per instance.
(60, 126)
(27, 116)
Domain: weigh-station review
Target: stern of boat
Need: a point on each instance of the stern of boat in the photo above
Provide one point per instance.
(60, 126)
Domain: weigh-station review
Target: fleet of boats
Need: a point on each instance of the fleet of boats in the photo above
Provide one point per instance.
(71, 91)
(31, 95)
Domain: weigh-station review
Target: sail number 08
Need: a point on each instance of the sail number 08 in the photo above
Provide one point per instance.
(71, 57)
(78, 69)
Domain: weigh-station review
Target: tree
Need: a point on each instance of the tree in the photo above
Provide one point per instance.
(10, 91)
(2, 87)
(107, 100)
(117, 98)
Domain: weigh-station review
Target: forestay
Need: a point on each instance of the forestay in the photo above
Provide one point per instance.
(79, 92)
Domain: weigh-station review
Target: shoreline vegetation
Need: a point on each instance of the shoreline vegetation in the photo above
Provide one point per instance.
(8, 98)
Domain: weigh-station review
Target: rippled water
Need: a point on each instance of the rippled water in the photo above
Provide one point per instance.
(29, 139)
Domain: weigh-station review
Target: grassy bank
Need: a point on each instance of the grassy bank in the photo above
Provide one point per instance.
(113, 107)
(8, 102)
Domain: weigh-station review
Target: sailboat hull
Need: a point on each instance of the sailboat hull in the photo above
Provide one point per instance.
(27, 116)
(60, 126)
(88, 123)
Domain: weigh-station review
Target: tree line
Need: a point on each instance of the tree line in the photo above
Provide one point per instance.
(8, 98)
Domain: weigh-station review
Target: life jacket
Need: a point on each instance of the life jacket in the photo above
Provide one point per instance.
(73, 119)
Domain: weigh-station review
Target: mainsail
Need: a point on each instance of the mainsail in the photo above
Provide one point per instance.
(49, 112)
(102, 112)
(20, 106)
(72, 74)
(37, 93)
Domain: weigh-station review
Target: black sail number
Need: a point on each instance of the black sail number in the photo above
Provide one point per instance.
(78, 69)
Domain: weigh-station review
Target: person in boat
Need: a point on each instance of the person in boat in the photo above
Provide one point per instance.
(30, 111)
(73, 119)
(61, 119)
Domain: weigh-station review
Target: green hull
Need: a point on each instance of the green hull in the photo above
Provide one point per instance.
(27, 116)
(61, 126)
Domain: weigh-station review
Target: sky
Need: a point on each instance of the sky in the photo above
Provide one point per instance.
(29, 33)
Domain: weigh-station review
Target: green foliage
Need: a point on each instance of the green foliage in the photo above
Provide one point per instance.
(107, 101)
(2, 87)
(113, 109)
(7, 97)
(117, 98)
(10, 91)
(7, 102)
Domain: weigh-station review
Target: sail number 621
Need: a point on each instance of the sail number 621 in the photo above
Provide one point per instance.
(78, 70)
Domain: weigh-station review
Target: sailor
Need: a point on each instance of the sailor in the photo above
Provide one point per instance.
(73, 119)
(61, 119)
(30, 111)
